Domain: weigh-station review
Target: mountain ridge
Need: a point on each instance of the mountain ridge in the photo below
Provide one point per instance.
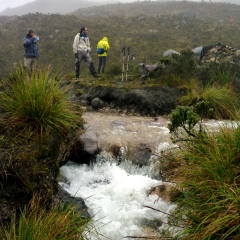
(50, 6)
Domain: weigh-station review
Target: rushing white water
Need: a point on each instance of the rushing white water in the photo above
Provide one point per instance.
(116, 196)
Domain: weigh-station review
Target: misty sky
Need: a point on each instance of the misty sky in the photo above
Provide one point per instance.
(16, 3)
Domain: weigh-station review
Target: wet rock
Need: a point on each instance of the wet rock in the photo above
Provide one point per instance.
(115, 149)
(142, 155)
(91, 142)
(63, 197)
(85, 149)
(97, 103)
(166, 191)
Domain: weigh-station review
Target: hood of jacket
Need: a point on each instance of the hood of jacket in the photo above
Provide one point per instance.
(105, 39)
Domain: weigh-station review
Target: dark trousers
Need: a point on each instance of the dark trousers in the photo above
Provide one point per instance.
(86, 57)
(101, 63)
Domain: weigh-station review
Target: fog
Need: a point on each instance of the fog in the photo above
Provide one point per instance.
(12, 3)
(16, 3)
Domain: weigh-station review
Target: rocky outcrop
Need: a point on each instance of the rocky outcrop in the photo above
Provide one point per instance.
(221, 53)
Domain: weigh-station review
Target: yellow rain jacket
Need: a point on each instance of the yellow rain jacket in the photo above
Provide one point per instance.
(103, 44)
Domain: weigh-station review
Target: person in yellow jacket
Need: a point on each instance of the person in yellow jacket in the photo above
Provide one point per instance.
(102, 50)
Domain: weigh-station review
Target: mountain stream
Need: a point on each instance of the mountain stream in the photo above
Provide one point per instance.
(116, 194)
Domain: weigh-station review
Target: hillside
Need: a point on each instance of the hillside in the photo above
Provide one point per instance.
(148, 36)
(50, 6)
(199, 10)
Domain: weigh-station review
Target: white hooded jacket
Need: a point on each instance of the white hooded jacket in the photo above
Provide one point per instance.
(81, 44)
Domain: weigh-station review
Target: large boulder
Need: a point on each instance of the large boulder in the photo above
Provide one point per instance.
(170, 52)
(85, 148)
(97, 103)
(141, 155)
(91, 142)
(197, 50)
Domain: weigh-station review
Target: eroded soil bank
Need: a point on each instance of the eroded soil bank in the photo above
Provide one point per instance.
(148, 101)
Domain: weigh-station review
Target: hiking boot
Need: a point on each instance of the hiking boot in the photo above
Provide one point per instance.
(96, 76)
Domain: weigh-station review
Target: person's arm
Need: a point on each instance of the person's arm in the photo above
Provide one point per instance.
(75, 44)
(107, 46)
(28, 41)
(88, 45)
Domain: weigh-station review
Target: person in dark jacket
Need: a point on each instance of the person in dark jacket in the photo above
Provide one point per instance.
(30, 49)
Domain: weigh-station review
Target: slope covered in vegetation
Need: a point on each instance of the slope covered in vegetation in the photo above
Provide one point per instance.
(149, 34)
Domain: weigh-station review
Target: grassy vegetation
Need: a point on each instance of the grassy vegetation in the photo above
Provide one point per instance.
(58, 223)
(208, 166)
(211, 186)
(213, 102)
(201, 10)
(130, 29)
(36, 103)
(38, 123)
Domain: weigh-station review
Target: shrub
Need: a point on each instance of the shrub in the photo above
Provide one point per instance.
(224, 73)
(183, 117)
(113, 69)
(36, 103)
(213, 102)
(183, 65)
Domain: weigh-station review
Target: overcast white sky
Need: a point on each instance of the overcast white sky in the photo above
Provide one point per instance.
(16, 3)
(12, 3)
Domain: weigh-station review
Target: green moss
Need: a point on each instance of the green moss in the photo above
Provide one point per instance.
(79, 92)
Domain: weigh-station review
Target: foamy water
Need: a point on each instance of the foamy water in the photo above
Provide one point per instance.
(115, 198)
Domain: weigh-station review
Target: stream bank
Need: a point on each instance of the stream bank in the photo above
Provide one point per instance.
(148, 101)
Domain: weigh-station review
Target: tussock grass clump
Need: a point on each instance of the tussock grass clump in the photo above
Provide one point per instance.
(212, 186)
(213, 102)
(36, 103)
(58, 223)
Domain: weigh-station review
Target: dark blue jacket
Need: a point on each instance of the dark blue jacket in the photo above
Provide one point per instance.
(30, 46)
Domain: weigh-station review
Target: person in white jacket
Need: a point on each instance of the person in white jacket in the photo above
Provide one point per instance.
(82, 50)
